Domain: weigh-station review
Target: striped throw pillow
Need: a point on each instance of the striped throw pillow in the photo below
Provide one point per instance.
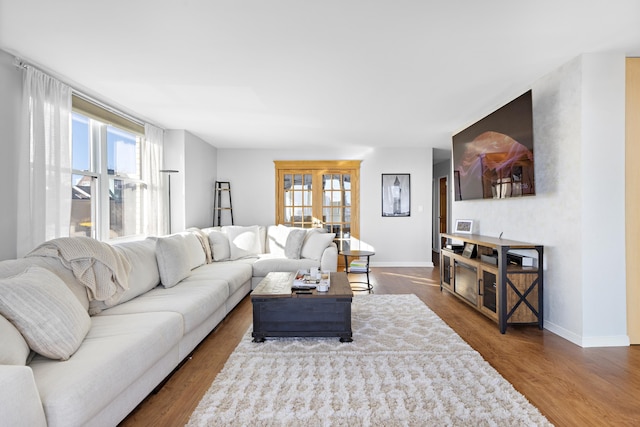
(45, 311)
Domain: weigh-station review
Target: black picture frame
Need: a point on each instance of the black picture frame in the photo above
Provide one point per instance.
(396, 194)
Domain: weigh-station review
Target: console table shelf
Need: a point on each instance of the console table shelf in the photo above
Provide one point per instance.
(484, 272)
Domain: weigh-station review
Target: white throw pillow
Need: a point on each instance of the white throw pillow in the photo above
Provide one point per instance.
(293, 245)
(262, 239)
(173, 260)
(14, 349)
(243, 241)
(195, 250)
(315, 244)
(45, 311)
(144, 274)
(277, 239)
(219, 243)
(204, 242)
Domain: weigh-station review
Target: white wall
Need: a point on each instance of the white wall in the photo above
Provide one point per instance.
(200, 178)
(252, 179)
(397, 241)
(578, 211)
(192, 186)
(10, 101)
(603, 199)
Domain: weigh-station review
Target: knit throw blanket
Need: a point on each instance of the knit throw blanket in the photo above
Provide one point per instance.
(97, 265)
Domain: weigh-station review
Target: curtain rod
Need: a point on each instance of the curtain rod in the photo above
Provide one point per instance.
(18, 62)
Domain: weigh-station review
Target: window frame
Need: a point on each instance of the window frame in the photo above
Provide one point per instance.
(100, 119)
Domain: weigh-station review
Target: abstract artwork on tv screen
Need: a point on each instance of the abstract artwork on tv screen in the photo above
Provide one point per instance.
(493, 158)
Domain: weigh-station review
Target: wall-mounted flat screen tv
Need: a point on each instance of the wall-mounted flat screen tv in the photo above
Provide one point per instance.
(493, 158)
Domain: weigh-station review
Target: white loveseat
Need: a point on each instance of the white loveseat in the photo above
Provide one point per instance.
(69, 360)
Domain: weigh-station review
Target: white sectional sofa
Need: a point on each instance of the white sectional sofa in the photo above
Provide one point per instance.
(73, 356)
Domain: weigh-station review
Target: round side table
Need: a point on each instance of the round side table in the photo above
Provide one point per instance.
(365, 270)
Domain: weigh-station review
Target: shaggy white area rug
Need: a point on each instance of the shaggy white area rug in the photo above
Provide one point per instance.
(405, 367)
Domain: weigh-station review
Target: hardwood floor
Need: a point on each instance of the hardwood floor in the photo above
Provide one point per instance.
(572, 386)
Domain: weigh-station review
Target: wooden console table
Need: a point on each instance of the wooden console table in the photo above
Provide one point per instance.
(488, 277)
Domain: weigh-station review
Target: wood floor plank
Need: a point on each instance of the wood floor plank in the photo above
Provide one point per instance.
(570, 385)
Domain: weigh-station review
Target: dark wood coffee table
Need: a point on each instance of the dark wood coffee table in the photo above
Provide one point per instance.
(280, 312)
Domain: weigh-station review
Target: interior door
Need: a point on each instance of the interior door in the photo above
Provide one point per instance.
(337, 206)
(442, 216)
(320, 194)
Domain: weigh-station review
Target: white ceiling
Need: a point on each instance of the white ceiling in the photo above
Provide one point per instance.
(304, 73)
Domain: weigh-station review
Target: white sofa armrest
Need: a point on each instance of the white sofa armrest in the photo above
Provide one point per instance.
(20, 403)
(329, 260)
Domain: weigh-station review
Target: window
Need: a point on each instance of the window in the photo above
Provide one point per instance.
(322, 194)
(107, 186)
(83, 179)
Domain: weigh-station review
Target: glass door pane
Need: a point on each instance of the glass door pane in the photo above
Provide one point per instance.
(489, 299)
(336, 203)
(298, 200)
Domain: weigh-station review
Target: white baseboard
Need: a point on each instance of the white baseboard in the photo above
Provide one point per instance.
(402, 264)
(600, 341)
(562, 332)
(606, 341)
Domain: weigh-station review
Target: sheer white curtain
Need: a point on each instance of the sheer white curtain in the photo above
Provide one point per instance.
(44, 168)
(155, 200)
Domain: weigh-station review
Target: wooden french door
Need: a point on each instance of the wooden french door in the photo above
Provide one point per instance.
(320, 194)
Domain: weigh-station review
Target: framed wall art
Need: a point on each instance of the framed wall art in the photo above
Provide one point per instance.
(396, 194)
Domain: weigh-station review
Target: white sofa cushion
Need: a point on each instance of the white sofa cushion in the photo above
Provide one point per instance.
(293, 245)
(235, 273)
(219, 243)
(193, 299)
(21, 405)
(45, 311)
(204, 242)
(195, 251)
(117, 351)
(315, 244)
(144, 274)
(243, 241)
(14, 349)
(173, 259)
(277, 239)
(269, 262)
